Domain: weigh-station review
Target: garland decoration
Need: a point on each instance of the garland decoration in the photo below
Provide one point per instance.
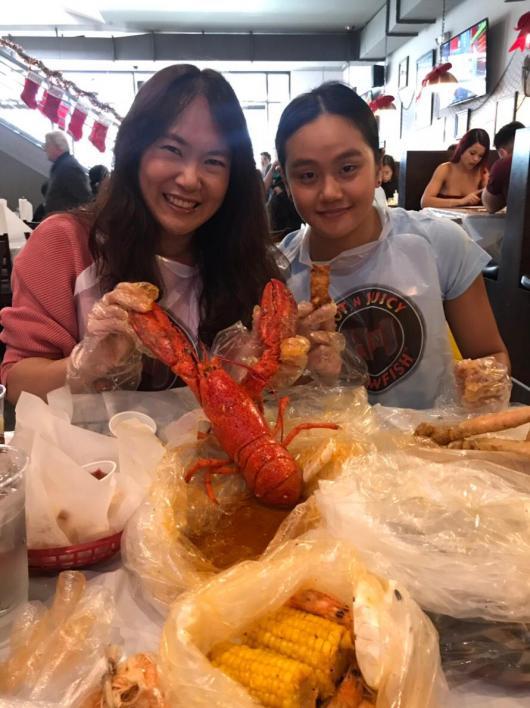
(55, 79)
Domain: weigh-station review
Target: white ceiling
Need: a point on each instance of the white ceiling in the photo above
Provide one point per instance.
(190, 15)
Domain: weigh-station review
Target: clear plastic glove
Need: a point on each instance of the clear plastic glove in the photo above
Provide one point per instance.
(324, 361)
(483, 384)
(110, 355)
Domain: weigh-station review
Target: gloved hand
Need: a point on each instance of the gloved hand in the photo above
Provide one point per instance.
(109, 357)
(483, 384)
(325, 358)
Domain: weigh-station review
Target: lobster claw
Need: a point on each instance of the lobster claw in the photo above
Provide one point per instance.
(168, 344)
(277, 322)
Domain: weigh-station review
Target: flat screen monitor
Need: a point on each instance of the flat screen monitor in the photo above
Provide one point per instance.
(467, 52)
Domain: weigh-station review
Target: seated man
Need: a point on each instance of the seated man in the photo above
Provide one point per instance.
(495, 194)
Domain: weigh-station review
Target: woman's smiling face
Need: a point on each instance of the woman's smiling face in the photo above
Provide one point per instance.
(332, 174)
(184, 177)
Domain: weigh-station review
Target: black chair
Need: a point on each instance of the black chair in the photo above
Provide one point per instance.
(508, 282)
(5, 271)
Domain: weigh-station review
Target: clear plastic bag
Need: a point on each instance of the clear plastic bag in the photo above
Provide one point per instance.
(494, 652)
(238, 349)
(399, 652)
(57, 654)
(452, 525)
(172, 540)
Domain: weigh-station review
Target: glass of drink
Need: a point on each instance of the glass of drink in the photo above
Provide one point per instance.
(13, 555)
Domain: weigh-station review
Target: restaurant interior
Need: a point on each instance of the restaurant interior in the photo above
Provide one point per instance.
(390, 567)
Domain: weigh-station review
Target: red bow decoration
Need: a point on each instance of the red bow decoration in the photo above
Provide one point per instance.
(433, 74)
(523, 38)
(382, 102)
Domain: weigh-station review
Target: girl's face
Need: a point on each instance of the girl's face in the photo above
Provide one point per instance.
(472, 156)
(184, 177)
(386, 173)
(332, 174)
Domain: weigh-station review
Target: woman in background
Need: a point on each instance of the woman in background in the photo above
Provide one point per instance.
(389, 176)
(460, 181)
(96, 176)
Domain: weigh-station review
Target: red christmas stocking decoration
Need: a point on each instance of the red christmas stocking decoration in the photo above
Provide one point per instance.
(62, 114)
(99, 134)
(32, 84)
(77, 121)
(50, 103)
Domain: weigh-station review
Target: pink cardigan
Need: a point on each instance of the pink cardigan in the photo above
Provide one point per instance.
(43, 319)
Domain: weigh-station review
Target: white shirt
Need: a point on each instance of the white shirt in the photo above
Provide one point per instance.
(390, 294)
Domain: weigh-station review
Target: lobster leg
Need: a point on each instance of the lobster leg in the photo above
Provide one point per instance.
(278, 428)
(210, 463)
(308, 426)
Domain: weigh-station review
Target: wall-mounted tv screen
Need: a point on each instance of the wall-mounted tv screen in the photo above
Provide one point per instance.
(467, 52)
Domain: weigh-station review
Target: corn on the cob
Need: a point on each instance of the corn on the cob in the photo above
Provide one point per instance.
(274, 680)
(320, 643)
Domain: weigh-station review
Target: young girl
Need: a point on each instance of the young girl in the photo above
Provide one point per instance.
(182, 209)
(460, 181)
(396, 276)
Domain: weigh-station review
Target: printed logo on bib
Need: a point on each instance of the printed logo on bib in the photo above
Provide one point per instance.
(386, 330)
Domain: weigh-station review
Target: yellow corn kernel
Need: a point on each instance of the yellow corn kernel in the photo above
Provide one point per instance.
(274, 680)
(320, 643)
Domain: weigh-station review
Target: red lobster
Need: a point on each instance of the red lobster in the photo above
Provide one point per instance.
(234, 410)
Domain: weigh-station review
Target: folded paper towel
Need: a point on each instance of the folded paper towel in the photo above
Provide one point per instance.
(64, 504)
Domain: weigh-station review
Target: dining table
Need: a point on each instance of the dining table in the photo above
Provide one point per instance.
(487, 230)
(137, 627)
(138, 623)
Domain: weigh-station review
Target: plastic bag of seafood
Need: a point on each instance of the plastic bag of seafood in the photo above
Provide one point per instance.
(56, 654)
(453, 526)
(178, 538)
(257, 630)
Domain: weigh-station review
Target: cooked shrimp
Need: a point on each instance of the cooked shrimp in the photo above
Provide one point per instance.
(318, 603)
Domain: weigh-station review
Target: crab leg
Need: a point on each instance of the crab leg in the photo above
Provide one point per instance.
(490, 423)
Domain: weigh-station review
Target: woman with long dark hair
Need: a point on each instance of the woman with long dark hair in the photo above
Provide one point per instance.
(460, 181)
(182, 209)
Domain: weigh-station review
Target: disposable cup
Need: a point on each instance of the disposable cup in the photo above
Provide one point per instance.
(118, 418)
(13, 554)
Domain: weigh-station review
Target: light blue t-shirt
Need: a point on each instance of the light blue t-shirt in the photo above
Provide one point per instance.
(390, 297)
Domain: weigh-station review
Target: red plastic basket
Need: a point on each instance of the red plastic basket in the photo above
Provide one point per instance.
(80, 556)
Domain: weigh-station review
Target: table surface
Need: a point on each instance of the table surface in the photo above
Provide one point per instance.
(140, 625)
(456, 212)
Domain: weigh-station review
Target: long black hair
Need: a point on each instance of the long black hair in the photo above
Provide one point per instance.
(334, 98)
(231, 249)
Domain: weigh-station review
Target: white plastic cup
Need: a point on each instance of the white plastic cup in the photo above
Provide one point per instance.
(118, 418)
(105, 467)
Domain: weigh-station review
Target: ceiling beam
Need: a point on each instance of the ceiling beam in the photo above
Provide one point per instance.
(323, 46)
